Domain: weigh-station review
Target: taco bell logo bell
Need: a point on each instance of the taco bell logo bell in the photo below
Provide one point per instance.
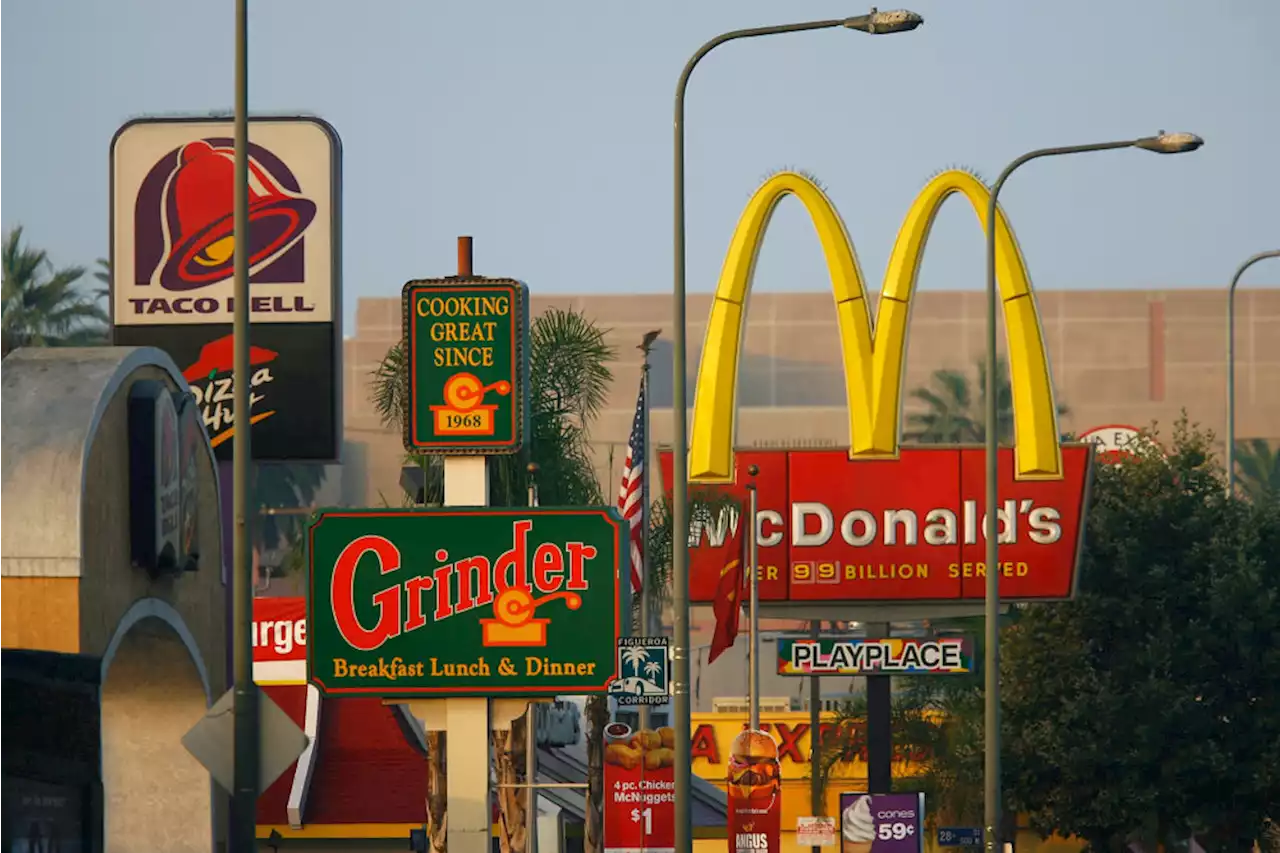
(174, 241)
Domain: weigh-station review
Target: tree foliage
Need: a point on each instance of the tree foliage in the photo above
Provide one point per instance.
(1149, 707)
(952, 410)
(569, 379)
(45, 306)
(1258, 469)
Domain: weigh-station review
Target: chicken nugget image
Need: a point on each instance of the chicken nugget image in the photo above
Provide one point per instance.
(621, 755)
(656, 759)
(668, 736)
(648, 739)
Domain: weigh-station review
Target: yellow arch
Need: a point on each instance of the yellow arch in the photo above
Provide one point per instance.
(873, 356)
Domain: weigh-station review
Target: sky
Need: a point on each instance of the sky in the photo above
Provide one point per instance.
(544, 129)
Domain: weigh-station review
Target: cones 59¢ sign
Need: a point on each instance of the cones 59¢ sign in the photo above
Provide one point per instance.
(460, 602)
(905, 529)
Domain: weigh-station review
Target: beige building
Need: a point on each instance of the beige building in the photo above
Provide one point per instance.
(1118, 357)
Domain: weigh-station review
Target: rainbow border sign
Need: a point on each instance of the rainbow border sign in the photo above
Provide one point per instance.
(887, 656)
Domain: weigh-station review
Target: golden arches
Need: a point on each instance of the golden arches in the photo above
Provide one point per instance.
(873, 355)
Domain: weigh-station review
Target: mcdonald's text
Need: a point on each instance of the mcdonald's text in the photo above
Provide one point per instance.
(905, 529)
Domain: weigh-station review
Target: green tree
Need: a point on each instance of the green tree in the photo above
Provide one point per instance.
(1258, 469)
(569, 380)
(953, 409)
(44, 306)
(285, 487)
(103, 275)
(1149, 706)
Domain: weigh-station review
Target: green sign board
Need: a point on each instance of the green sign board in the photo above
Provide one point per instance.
(463, 602)
(467, 365)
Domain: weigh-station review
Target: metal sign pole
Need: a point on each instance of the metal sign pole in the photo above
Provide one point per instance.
(753, 686)
(245, 781)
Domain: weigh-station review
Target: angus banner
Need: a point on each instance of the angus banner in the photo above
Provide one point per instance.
(873, 356)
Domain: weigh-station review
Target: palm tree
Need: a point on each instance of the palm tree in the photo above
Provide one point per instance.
(652, 668)
(569, 379)
(635, 657)
(280, 486)
(103, 275)
(1259, 469)
(43, 306)
(955, 412)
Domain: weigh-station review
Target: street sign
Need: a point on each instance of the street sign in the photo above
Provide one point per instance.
(644, 671)
(212, 741)
(887, 656)
(481, 601)
(467, 341)
(639, 789)
(960, 836)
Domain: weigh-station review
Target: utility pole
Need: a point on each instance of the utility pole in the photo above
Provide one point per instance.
(244, 800)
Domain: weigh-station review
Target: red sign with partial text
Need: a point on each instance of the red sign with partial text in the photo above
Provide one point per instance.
(906, 529)
(639, 790)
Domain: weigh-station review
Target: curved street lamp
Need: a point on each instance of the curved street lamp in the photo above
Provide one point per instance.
(1161, 143)
(874, 23)
(1231, 366)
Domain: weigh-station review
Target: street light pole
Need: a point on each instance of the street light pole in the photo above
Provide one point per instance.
(1231, 366)
(1162, 143)
(875, 23)
(753, 561)
(244, 801)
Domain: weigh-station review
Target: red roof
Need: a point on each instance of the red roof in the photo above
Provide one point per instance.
(365, 771)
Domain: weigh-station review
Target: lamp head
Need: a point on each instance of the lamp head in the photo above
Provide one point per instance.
(1169, 143)
(883, 23)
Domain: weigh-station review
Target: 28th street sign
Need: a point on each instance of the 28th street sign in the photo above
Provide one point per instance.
(467, 387)
(477, 601)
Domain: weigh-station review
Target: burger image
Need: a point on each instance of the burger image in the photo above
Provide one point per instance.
(754, 770)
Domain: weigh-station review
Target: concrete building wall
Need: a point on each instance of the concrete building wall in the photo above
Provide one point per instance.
(1128, 357)
(70, 586)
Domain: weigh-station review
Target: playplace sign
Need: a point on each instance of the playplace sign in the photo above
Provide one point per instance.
(887, 656)
(873, 356)
(459, 602)
(908, 529)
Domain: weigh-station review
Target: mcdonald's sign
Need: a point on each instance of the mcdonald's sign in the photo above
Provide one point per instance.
(880, 522)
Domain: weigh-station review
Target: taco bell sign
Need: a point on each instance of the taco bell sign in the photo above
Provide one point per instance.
(173, 240)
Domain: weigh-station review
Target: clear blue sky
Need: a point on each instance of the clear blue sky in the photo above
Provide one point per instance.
(544, 129)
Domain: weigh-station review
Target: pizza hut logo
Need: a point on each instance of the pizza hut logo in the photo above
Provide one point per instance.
(212, 380)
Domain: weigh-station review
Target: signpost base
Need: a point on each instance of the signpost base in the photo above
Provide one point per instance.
(470, 816)
(468, 721)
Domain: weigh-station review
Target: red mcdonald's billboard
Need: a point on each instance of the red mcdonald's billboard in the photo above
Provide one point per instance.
(907, 529)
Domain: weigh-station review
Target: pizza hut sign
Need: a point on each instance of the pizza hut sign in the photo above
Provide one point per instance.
(165, 440)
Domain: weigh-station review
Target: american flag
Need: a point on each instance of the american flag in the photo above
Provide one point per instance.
(631, 497)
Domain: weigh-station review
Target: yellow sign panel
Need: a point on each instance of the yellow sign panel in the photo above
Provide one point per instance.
(873, 355)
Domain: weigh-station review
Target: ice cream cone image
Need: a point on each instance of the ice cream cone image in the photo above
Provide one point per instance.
(857, 829)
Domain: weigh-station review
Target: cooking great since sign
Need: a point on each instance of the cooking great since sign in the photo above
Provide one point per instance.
(477, 601)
